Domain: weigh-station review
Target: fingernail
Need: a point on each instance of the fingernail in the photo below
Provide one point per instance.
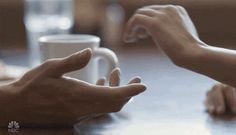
(144, 87)
(138, 79)
(129, 39)
(85, 52)
(142, 36)
(117, 69)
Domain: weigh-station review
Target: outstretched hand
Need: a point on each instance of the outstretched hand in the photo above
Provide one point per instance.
(172, 29)
(43, 96)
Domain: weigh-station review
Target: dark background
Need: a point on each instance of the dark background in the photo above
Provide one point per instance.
(214, 19)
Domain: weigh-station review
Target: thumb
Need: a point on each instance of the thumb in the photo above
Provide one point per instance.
(71, 63)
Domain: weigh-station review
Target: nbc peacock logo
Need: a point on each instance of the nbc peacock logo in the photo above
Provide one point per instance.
(13, 126)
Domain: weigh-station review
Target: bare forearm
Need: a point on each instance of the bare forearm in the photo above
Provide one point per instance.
(216, 63)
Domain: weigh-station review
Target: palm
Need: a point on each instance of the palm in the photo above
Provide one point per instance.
(53, 99)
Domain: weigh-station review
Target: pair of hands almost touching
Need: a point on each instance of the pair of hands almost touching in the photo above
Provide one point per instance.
(173, 31)
(43, 96)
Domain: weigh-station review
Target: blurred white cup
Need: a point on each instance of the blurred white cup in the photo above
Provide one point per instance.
(58, 46)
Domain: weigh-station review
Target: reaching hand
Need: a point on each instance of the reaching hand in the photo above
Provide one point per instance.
(43, 96)
(169, 26)
(221, 99)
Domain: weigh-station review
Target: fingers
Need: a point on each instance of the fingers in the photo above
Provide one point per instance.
(142, 34)
(71, 63)
(144, 18)
(209, 103)
(130, 90)
(215, 100)
(101, 81)
(114, 79)
(122, 92)
(138, 21)
(135, 80)
(230, 98)
(221, 98)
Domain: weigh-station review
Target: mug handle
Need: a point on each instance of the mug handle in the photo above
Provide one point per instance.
(109, 56)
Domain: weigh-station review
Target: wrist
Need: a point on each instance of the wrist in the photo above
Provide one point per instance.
(191, 55)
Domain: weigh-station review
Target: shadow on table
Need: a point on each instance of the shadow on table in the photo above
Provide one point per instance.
(222, 125)
(88, 126)
(101, 124)
(107, 124)
(38, 131)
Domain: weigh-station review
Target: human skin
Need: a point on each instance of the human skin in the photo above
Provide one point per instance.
(172, 30)
(44, 97)
(221, 99)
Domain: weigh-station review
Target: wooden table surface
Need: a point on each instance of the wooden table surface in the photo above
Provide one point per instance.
(172, 104)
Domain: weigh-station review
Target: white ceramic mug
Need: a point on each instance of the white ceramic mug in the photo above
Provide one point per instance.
(58, 46)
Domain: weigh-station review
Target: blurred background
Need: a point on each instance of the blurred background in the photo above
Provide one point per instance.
(214, 19)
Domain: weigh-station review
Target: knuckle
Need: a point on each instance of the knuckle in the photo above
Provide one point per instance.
(180, 7)
(227, 87)
(27, 76)
(154, 23)
(137, 17)
(147, 6)
(171, 9)
(49, 64)
(161, 17)
(217, 86)
(121, 95)
(140, 10)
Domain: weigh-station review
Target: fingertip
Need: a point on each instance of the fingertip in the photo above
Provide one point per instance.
(129, 36)
(211, 109)
(73, 62)
(132, 90)
(87, 52)
(84, 56)
(116, 71)
(101, 81)
(140, 87)
(138, 79)
(114, 78)
(144, 87)
(129, 39)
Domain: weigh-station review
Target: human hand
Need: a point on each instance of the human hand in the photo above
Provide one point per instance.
(169, 26)
(221, 99)
(44, 97)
